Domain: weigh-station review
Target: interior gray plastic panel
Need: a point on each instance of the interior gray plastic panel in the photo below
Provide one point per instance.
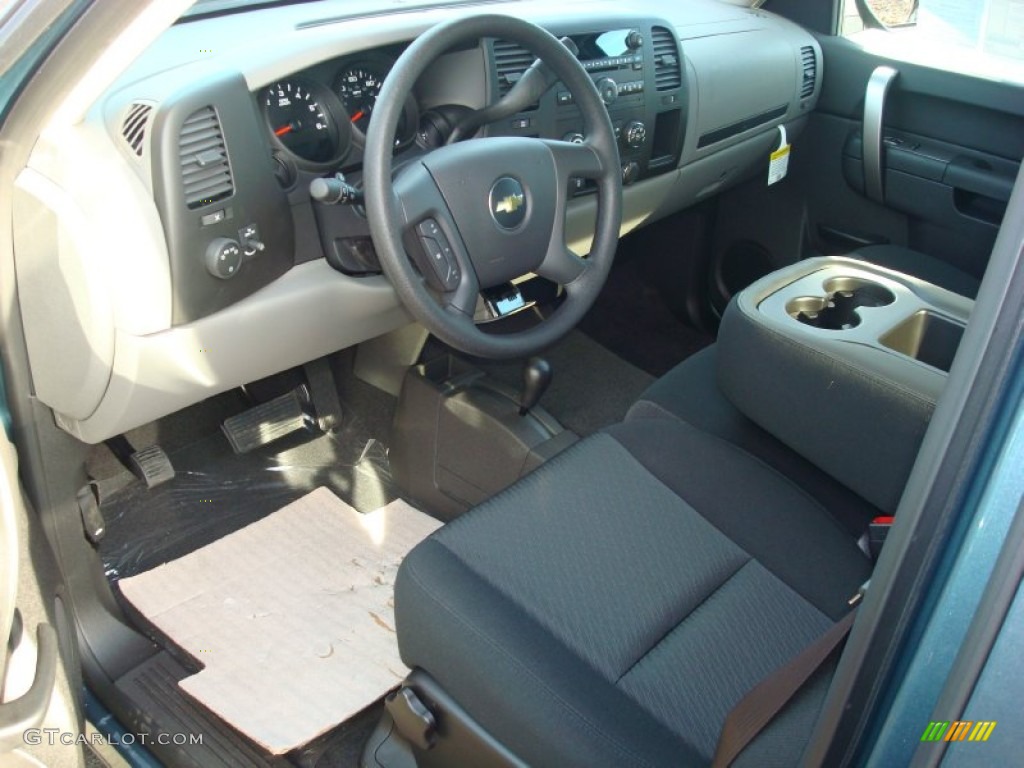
(68, 327)
(860, 344)
(256, 200)
(137, 366)
(310, 312)
(840, 398)
(752, 74)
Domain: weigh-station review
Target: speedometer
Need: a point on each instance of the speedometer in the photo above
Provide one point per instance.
(357, 85)
(300, 117)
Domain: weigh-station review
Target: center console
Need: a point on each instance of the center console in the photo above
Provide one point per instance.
(843, 361)
(637, 70)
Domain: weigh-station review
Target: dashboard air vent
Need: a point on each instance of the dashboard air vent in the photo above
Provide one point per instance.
(133, 129)
(205, 171)
(511, 60)
(667, 70)
(810, 69)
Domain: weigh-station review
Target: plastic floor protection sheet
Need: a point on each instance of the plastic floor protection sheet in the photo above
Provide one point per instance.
(215, 492)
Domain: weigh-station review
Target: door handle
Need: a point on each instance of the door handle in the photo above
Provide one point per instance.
(874, 113)
(28, 711)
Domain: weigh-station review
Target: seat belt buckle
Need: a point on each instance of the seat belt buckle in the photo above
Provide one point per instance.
(853, 601)
(878, 529)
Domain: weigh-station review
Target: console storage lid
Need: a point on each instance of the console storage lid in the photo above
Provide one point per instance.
(843, 361)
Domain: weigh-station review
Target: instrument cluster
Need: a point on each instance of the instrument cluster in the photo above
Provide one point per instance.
(317, 122)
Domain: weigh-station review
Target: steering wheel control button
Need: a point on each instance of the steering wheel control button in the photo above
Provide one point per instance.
(439, 254)
(508, 203)
(223, 258)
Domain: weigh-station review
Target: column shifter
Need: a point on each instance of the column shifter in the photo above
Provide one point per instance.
(536, 378)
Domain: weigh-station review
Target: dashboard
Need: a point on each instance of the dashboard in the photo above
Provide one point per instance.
(194, 248)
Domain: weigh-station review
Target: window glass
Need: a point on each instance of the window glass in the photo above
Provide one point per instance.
(978, 37)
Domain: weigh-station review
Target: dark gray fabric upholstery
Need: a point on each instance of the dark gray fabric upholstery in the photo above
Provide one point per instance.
(602, 612)
(755, 507)
(928, 268)
(690, 392)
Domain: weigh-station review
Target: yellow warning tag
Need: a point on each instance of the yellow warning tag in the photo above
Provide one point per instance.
(778, 164)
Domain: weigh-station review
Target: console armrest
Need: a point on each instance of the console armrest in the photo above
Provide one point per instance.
(843, 361)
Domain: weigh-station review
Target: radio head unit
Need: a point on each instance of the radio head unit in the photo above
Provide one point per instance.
(613, 44)
(637, 71)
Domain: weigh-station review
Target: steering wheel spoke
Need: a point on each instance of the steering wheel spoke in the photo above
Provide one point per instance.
(560, 264)
(463, 298)
(574, 161)
(432, 239)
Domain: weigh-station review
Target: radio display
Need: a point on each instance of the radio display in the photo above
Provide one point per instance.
(602, 45)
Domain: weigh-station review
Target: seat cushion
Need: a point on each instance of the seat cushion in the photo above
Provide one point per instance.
(690, 392)
(920, 265)
(613, 606)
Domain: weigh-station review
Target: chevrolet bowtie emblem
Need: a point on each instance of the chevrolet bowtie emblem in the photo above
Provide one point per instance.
(509, 204)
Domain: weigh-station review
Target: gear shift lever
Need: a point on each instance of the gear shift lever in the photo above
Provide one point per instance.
(536, 378)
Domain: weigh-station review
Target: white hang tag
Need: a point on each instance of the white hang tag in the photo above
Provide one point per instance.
(778, 164)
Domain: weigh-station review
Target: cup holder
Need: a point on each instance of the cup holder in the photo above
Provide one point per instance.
(837, 309)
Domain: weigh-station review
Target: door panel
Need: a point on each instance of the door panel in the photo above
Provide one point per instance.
(39, 715)
(952, 146)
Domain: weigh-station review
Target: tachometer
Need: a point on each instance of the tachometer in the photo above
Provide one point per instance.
(301, 118)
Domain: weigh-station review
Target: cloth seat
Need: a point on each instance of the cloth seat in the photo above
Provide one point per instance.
(613, 606)
(921, 265)
(690, 392)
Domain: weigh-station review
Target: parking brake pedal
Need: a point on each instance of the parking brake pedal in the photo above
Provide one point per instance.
(270, 421)
(149, 464)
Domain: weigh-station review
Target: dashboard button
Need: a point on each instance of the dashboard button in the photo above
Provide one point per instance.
(213, 218)
(223, 258)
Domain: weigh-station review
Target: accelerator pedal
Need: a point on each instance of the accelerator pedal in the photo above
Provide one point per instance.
(270, 421)
(151, 465)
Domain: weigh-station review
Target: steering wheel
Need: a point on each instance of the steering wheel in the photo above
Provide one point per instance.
(477, 214)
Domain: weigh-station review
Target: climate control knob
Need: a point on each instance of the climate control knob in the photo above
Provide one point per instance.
(223, 258)
(634, 134)
(608, 89)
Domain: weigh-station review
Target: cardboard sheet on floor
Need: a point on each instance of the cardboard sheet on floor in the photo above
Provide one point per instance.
(292, 616)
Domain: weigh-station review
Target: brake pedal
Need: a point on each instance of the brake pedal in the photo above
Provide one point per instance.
(323, 393)
(270, 421)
